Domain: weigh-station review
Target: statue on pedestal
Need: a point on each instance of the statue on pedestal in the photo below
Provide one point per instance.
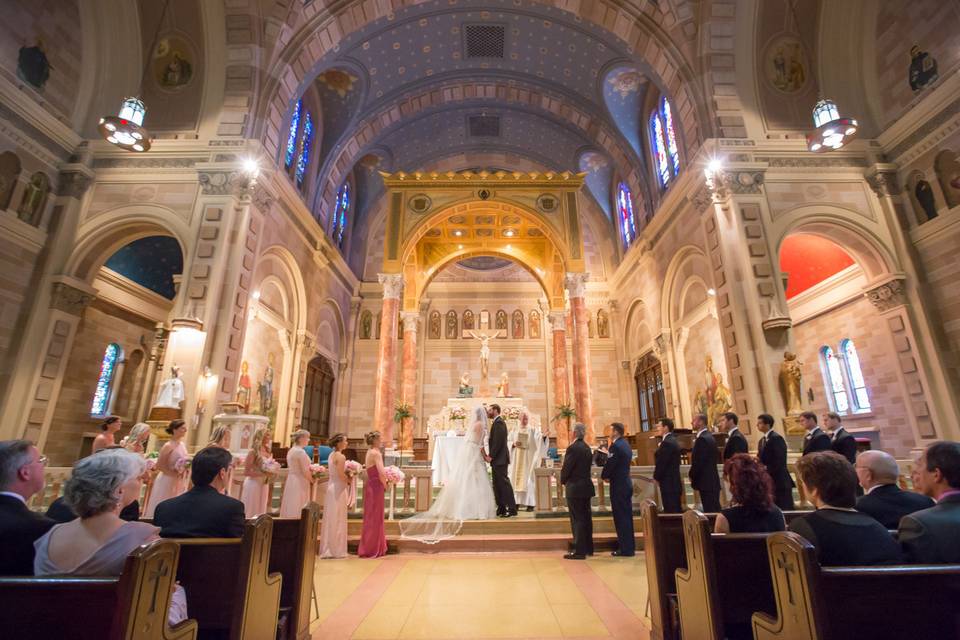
(484, 339)
(465, 390)
(503, 389)
(171, 391)
(790, 376)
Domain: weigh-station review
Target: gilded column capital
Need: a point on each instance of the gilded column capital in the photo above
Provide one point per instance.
(392, 285)
(577, 284)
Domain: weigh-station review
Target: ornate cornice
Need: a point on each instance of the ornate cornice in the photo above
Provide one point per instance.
(435, 179)
(726, 183)
(392, 285)
(887, 296)
(225, 183)
(815, 162)
(70, 299)
(135, 162)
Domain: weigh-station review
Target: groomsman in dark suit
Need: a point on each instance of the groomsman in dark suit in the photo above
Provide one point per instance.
(772, 452)
(21, 476)
(617, 472)
(666, 472)
(842, 442)
(703, 466)
(736, 443)
(579, 491)
(816, 438)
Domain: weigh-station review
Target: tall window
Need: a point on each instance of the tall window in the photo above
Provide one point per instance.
(340, 214)
(304, 158)
(108, 370)
(292, 135)
(833, 376)
(628, 225)
(663, 143)
(857, 384)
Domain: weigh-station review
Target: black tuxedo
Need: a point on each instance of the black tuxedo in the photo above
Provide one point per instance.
(845, 444)
(202, 512)
(19, 528)
(772, 452)
(578, 488)
(500, 462)
(667, 473)
(816, 440)
(703, 471)
(930, 536)
(887, 504)
(617, 471)
(736, 443)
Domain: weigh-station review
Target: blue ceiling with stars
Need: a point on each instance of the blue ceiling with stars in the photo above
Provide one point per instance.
(151, 262)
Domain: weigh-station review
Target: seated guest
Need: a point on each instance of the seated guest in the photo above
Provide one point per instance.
(203, 511)
(60, 511)
(21, 476)
(933, 535)
(753, 510)
(98, 542)
(884, 500)
(841, 534)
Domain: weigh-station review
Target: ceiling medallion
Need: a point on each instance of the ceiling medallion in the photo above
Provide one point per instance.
(484, 194)
(547, 203)
(420, 203)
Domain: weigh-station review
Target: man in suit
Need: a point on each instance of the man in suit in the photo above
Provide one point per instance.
(579, 491)
(931, 535)
(21, 476)
(878, 472)
(499, 459)
(816, 438)
(841, 441)
(703, 466)
(617, 472)
(772, 452)
(666, 472)
(736, 443)
(203, 511)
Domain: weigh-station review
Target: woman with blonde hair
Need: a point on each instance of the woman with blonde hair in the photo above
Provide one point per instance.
(333, 529)
(373, 539)
(258, 467)
(136, 440)
(299, 485)
(221, 438)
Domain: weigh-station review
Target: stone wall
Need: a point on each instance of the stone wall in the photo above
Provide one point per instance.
(16, 266)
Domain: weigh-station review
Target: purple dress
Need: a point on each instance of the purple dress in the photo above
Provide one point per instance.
(373, 539)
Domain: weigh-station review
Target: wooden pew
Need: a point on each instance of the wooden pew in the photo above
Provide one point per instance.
(293, 554)
(725, 582)
(845, 603)
(229, 590)
(132, 606)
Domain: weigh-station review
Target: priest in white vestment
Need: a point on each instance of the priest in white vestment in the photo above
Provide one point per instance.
(529, 449)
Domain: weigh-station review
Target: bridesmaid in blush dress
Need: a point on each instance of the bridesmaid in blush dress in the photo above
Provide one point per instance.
(221, 438)
(333, 530)
(258, 484)
(297, 489)
(172, 480)
(373, 539)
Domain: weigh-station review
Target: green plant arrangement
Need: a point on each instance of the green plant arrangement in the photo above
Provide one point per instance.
(401, 413)
(567, 413)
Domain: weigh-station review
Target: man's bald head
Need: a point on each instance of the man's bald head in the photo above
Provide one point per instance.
(877, 468)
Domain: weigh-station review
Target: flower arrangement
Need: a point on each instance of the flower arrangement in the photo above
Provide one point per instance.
(513, 413)
(458, 413)
(352, 468)
(317, 470)
(270, 469)
(151, 464)
(394, 474)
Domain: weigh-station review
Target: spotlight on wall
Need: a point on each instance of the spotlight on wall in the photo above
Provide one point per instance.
(711, 292)
(255, 295)
(509, 233)
(714, 166)
(458, 233)
(251, 167)
(207, 373)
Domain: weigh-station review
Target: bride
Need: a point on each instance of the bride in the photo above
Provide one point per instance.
(467, 495)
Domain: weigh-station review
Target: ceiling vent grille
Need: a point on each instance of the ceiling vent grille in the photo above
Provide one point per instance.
(484, 40)
(483, 126)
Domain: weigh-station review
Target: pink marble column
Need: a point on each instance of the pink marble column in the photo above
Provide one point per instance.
(582, 376)
(561, 390)
(387, 363)
(408, 388)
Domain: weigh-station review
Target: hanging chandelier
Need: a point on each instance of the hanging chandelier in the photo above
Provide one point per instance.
(832, 131)
(126, 129)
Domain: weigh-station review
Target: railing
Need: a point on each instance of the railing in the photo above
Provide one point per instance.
(416, 492)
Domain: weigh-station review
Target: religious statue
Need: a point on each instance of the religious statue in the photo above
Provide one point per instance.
(244, 387)
(366, 328)
(484, 339)
(790, 375)
(468, 319)
(603, 324)
(452, 325)
(171, 391)
(535, 324)
(465, 390)
(503, 389)
(265, 388)
(518, 325)
(501, 320)
(923, 69)
(924, 195)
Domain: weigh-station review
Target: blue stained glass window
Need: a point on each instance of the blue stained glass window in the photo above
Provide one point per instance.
(833, 377)
(659, 148)
(855, 374)
(304, 158)
(108, 368)
(340, 214)
(671, 135)
(292, 135)
(628, 226)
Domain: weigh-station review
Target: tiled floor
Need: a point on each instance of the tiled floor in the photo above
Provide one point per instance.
(481, 596)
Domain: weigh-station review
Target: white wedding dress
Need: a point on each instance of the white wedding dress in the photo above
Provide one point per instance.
(467, 494)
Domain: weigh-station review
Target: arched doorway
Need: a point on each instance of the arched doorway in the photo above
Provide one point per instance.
(318, 397)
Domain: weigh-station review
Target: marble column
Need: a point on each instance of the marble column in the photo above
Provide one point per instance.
(561, 391)
(582, 377)
(387, 362)
(408, 389)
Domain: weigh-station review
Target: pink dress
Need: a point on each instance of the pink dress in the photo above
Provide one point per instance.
(333, 530)
(256, 491)
(296, 491)
(167, 485)
(373, 539)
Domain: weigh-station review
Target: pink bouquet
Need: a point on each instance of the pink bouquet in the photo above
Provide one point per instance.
(513, 413)
(151, 464)
(317, 470)
(394, 474)
(182, 465)
(352, 467)
(458, 413)
(270, 466)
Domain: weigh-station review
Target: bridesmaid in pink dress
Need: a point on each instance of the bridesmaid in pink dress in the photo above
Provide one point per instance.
(299, 485)
(258, 484)
(221, 438)
(333, 530)
(373, 539)
(172, 480)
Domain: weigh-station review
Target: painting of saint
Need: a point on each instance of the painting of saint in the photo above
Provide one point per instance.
(172, 64)
(468, 320)
(535, 324)
(33, 67)
(435, 325)
(501, 321)
(923, 69)
(452, 323)
(244, 387)
(786, 65)
(517, 332)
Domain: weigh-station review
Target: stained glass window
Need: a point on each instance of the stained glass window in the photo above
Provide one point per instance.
(292, 135)
(304, 158)
(860, 398)
(833, 378)
(340, 214)
(108, 368)
(659, 148)
(628, 226)
(671, 135)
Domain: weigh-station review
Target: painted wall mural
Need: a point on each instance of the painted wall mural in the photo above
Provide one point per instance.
(623, 92)
(599, 178)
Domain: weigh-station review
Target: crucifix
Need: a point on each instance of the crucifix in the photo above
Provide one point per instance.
(484, 339)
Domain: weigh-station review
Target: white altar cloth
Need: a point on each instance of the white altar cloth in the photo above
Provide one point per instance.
(446, 448)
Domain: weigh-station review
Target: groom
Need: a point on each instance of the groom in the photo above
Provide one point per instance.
(499, 459)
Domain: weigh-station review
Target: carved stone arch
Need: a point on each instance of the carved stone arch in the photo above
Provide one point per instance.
(289, 267)
(331, 328)
(671, 285)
